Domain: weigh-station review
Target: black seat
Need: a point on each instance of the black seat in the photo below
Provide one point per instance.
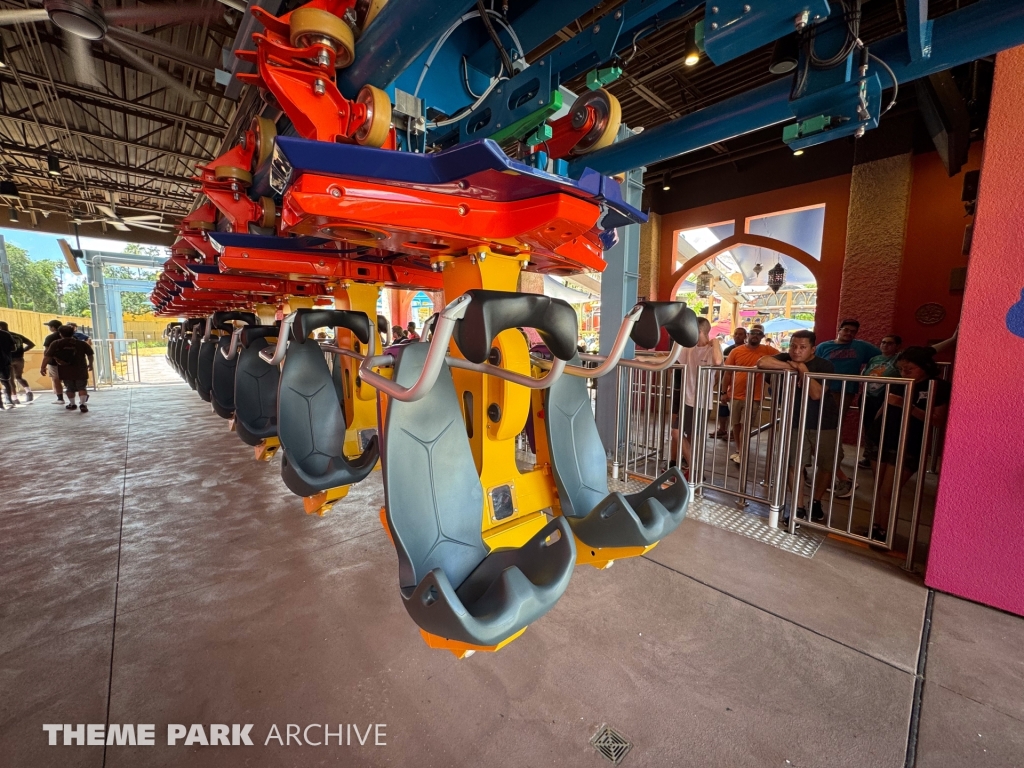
(172, 332)
(181, 354)
(310, 418)
(204, 363)
(451, 585)
(172, 351)
(181, 349)
(194, 345)
(222, 384)
(256, 383)
(579, 465)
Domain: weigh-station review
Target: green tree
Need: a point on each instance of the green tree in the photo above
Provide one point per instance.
(34, 283)
(76, 300)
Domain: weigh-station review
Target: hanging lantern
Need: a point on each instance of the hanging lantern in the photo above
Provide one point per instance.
(758, 268)
(776, 277)
(704, 284)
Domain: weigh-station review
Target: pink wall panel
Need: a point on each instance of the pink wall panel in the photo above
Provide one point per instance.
(977, 548)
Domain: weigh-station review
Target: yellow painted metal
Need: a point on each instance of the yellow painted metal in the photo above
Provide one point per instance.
(603, 557)
(360, 399)
(297, 302)
(265, 450)
(384, 523)
(321, 503)
(462, 650)
(599, 557)
(492, 431)
(267, 313)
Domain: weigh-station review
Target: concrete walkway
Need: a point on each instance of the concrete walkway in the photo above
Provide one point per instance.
(152, 572)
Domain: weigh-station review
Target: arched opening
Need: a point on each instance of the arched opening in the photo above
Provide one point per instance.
(734, 300)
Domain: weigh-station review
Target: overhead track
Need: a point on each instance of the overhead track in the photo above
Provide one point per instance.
(975, 32)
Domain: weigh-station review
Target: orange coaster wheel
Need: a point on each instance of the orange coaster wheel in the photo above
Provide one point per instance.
(374, 131)
(232, 173)
(309, 26)
(269, 218)
(608, 115)
(265, 132)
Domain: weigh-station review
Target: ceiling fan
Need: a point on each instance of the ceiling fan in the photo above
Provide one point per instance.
(152, 222)
(83, 22)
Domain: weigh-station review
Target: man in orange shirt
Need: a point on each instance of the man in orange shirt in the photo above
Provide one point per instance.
(747, 356)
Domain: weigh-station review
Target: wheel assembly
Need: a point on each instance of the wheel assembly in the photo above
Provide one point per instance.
(265, 133)
(269, 218)
(607, 119)
(374, 130)
(309, 26)
(232, 173)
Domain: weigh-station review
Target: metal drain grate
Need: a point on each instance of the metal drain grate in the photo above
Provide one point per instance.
(611, 744)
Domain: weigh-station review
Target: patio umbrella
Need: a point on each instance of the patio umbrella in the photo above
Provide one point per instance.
(785, 324)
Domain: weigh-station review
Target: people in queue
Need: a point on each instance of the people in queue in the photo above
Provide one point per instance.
(51, 370)
(849, 355)
(22, 344)
(6, 369)
(883, 365)
(739, 338)
(79, 335)
(735, 387)
(73, 358)
(820, 437)
(708, 351)
(917, 363)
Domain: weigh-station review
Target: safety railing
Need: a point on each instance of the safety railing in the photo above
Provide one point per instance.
(889, 447)
(118, 362)
(795, 447)
(740, 457)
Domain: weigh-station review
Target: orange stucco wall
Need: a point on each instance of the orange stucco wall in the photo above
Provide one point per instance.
(935, 232)
(834, 192)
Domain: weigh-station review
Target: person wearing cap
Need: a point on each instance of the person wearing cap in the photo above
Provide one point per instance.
(51, 370)
(73, 358)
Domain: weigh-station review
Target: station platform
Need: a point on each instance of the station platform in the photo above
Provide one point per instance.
(154, 573)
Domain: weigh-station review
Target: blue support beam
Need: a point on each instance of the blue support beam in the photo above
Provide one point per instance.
(401, 32)
(533, 26)
(919, 30)
(620, 282)
(977, 31)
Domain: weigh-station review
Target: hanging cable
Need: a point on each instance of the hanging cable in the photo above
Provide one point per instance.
(485, 18)
(448, 33)
(895, 83)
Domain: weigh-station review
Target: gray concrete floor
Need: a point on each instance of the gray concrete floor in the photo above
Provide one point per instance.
(153, 573)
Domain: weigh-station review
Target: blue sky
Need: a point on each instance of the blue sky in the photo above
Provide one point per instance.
(42, 245)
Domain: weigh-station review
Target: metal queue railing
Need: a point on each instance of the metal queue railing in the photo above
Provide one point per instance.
(759, 400)
(774, 407)
(118, 362)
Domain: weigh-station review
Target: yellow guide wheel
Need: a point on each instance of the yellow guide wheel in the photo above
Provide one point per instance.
(606, 126)
(372, 11)
(265, 133)
(269, 212)
(374, 132)
(232, 173)
(311, 25)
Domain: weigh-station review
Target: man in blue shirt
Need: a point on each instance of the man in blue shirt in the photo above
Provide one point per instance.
(848, 356)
